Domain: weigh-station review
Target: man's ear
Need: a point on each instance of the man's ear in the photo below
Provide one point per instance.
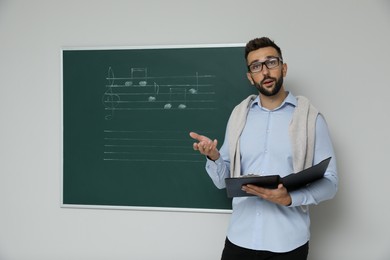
(249, 76)
(284, 70)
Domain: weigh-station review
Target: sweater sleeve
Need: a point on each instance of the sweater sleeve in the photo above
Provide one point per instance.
(325, 188)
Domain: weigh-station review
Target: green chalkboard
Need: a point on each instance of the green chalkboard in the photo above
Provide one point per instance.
(127, 113)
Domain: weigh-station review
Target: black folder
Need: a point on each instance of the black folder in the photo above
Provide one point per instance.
(292, 181)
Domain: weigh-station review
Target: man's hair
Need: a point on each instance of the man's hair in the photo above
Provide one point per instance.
(258, 43)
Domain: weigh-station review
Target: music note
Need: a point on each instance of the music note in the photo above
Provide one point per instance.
(140, 74)
(110, 99)
(178, 95)
(156, 90)
(195, 90)
(128, 83)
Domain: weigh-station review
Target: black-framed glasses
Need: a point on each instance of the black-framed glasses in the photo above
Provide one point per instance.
(270, 63)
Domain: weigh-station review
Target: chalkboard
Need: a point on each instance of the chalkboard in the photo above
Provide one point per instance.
(127, 114)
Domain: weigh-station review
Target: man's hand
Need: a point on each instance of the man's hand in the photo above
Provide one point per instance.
(278, 196)
(205, 146)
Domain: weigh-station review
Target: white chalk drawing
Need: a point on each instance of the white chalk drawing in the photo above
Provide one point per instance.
(149, 146)
(140, 91)
(110, 99)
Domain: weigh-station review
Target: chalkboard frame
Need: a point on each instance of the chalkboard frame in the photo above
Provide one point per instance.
(130, 207)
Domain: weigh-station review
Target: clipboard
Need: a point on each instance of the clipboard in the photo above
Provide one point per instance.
(292, 181)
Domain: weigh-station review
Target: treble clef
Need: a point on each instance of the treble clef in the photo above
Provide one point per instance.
(110, 99)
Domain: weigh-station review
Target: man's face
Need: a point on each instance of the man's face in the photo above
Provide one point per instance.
(268, 81)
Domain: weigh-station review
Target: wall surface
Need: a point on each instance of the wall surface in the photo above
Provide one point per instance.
(337, 53)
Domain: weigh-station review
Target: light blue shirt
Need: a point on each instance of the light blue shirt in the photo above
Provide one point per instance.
(266, 150)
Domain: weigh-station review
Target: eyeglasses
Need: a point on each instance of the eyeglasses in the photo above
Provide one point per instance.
(270, 63)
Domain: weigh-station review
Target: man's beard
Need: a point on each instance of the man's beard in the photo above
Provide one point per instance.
(272, 92)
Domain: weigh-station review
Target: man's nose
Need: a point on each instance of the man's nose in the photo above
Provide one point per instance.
(265, 70)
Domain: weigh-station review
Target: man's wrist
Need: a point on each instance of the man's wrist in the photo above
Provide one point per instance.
(213, 158)
(288, 201)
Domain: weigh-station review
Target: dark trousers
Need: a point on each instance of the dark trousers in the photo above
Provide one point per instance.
(233, 252)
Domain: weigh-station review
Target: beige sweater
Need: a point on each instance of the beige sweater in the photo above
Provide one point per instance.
(301, 131)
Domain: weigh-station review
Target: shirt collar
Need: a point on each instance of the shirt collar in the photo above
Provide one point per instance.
(289, 100)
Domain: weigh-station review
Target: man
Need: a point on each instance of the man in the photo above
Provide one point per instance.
(272, 133)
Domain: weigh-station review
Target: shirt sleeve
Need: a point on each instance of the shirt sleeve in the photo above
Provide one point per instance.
(219, 170)
(325, 188)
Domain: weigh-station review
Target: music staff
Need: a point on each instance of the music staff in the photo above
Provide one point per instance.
(141, 91)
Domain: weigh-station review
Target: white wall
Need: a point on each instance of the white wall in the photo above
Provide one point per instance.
(337, 52)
